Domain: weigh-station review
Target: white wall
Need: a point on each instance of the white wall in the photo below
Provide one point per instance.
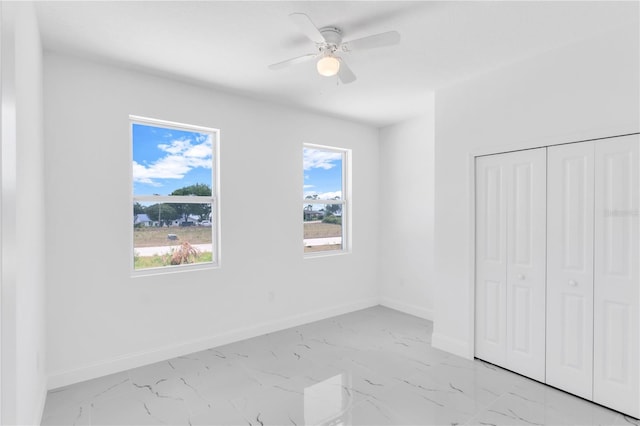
(100, 319)
(582, 91)
(23, 212)
(406, 214)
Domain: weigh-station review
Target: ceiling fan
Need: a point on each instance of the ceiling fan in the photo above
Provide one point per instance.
(329, 43)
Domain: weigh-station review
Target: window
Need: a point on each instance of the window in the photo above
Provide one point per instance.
(174, 187)
(325, 201)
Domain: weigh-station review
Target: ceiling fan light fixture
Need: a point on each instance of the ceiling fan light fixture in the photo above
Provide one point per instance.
(328, 66)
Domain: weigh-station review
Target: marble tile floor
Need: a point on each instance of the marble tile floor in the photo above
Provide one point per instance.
(371, 367)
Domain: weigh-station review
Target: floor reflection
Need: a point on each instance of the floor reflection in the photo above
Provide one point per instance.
(328, 402)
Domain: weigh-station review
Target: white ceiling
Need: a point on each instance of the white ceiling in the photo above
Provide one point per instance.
(228, 45)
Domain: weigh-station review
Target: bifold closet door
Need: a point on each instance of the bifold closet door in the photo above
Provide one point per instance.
(510, 260)
(491, 259)
(616, 274)
(569, 360)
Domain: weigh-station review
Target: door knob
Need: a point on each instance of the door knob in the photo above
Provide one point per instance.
(573, 283)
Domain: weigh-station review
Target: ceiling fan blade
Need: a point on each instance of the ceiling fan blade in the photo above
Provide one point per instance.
(292, 61)
(345, 74)
(307, 27)
(378, 40)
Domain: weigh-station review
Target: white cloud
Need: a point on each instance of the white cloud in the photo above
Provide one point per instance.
(198, 151)
(308, 186)
(183, 155)
(319, 159)
(175, 147)
(140, 175)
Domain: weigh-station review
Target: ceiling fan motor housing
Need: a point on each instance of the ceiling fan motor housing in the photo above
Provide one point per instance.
(332, 36)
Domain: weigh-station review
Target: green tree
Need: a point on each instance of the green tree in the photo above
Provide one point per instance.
(184, 210)
(333, 209)
(199, 189)
(163, 213)
(138, 208)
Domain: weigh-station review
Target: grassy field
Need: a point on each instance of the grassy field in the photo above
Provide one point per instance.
(321, 230)
(328, 247)
(157, 237)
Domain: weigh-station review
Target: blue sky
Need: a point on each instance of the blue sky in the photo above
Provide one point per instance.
(322, 173)
(167, 159)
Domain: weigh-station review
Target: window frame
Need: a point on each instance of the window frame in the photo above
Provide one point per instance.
(345, 201)
(214, 199)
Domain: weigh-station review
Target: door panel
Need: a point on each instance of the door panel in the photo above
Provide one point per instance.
(573, 336)
(521, 329)
(526, 258)
(616, 290)
(522, 214)
(494, 216)
(569, 337)
(491, 269)
(493, 303)
(617, 336)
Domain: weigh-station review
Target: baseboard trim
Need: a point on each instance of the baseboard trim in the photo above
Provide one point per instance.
(407, 308)
(451, 345)
(133, 360)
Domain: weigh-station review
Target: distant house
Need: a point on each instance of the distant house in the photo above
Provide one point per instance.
(313, 214)
(142, 220)
(191, 220)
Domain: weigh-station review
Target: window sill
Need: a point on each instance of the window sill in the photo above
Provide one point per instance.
(177, 269)
(331, 253)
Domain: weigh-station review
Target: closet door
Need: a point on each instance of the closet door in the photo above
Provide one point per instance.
(616, 286)
(570, 268)
(491, 260)
(526, 259)
(510, 260)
